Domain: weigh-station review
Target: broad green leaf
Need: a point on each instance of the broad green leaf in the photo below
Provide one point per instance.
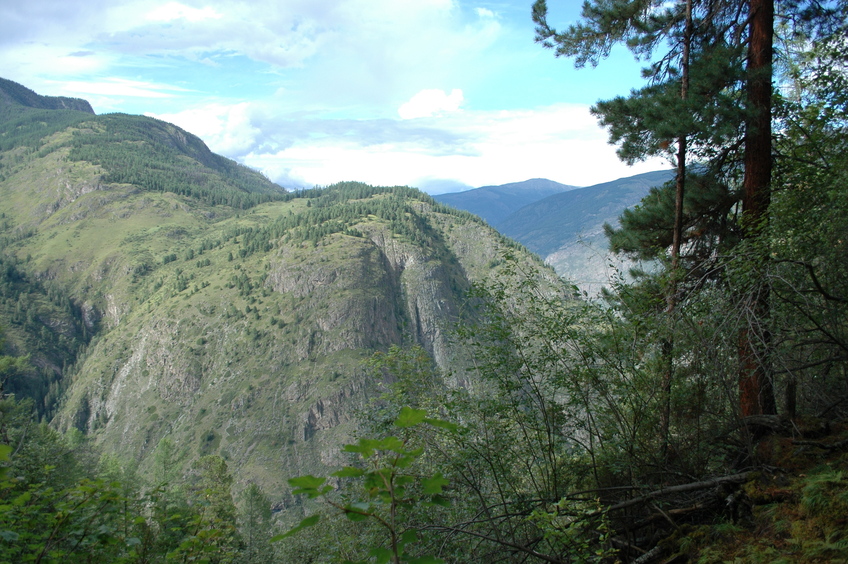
(408, 536)
(441, 423)
(383, 555)
(365, 447)
(439, 500)
(408, 457)
(349, 472)
(403, 480)
(433, 486)
(359, 511)
(309, 485)
(306, 482)
(361, 506)
(393, 444)
(409, 417)
(425, 560)
(308, 522)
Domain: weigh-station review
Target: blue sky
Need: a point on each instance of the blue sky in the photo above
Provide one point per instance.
(438, 94)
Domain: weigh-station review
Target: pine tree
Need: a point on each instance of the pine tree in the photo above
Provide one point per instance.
(711, 90)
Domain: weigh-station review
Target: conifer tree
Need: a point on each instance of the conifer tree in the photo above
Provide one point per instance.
(719, 55)
(675, 106)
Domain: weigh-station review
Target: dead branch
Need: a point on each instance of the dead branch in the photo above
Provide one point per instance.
(841, 445)
(695, 486)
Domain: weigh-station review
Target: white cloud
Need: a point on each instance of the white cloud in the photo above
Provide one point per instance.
(367, 54)
(227, 129)
(121, 87)
(428, 103)
(472, 148)
(176, 11)
(329, 80)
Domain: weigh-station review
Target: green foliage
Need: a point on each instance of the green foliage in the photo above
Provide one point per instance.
(43, 320)
(28, 127)
(826, 493)
(81, 523)
(386, 490)
(256, 526)
(646, 230)
(158, 156)
(52, 511)
(18, 95)
(336, 210)
(559, 410)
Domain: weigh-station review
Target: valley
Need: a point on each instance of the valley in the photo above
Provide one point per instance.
(198, 365)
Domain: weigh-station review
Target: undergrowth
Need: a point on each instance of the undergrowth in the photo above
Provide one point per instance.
(799, 512)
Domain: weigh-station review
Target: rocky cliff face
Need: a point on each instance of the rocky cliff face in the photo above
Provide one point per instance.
(256, 358)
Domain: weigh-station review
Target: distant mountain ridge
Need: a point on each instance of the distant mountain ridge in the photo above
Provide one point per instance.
(546, 225)
(151, 154)
(565, 228)
(496, 203)
(13, 93)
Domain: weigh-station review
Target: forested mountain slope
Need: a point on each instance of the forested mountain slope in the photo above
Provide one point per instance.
(162, 290)
(563, 224)
(546, 225)
(12, 93)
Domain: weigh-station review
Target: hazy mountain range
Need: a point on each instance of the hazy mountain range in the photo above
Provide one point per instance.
(562, 224)
(497, 203)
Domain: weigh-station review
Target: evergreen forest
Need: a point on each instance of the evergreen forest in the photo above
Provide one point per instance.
(361, 374)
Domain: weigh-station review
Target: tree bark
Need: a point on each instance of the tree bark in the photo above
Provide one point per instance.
(756, 394)
(677, 238)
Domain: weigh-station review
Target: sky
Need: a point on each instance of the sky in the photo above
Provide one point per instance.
(442, 95)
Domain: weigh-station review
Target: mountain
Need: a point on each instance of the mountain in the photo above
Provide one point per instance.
(562, 224)
(496, 203)
(548, 224)
(566, 229)
(163, 291)
(12, 93)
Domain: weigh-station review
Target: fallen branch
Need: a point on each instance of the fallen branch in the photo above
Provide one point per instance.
(680, 512)
(734, 478)
(518, 547)
(841, 445)
(648, 556)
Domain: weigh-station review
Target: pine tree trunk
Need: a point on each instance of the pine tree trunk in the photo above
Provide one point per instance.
(756, 395)
(667, 347)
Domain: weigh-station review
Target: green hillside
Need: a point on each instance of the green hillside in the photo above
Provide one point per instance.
(563, 224)
(163, 290)
(198, 366)
(14, 94)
